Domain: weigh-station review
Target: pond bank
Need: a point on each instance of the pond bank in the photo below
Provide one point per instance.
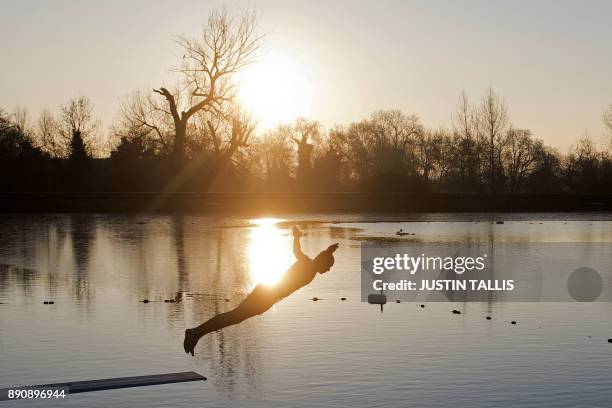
(307, 202)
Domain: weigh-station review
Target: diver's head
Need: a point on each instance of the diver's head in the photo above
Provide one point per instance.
(324, 261)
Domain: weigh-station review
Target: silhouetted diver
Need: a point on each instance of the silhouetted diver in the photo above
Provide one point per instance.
(262, 298)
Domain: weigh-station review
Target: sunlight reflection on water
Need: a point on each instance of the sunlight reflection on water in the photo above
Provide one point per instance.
(269, 251)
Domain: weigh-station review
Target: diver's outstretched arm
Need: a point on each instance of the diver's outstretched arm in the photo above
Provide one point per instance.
(297, 247)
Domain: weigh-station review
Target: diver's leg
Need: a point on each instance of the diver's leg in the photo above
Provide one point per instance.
(222, 320)
(218, 322)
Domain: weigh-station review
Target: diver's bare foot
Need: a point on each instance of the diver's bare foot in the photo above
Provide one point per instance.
(191, 339)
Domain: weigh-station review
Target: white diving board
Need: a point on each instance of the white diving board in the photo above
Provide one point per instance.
(109, 383)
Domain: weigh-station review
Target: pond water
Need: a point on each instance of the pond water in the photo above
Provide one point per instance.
(97, 269)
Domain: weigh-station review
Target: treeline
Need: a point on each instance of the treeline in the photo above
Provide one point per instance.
(196, 137)
(389, 151)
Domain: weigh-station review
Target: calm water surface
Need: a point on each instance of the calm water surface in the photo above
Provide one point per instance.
(98, 268)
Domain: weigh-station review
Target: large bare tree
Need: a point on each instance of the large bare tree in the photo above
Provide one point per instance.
(226, 45)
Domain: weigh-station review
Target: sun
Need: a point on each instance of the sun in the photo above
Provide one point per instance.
(275, 90)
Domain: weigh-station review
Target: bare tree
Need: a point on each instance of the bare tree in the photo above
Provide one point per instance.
(607, 118)
(21, 120)
(143, 115)
(582, 165)
(493, 126)
(48, 137)
(227, 138)
(395, 137)
(521, 153)
(466, 149)
(308, 132)
(465, 121)
(277, 156)
(431, 153)
(77, 118)
(226, 45)
(465, 130)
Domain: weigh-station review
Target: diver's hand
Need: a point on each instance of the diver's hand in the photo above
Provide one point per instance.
(332, 248)
(296, 232)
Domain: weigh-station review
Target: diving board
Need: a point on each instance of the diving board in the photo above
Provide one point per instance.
(111, 383)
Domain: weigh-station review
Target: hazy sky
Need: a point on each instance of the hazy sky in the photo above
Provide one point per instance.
(550, 60)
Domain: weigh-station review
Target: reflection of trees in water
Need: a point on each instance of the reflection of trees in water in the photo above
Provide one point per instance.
(343, 233)
(232, 352)
(212, 265)
(29, 252)
(178, 237)
(82, 237)
(63, 253)
(472, 246)
(55, 238)
(13, 279)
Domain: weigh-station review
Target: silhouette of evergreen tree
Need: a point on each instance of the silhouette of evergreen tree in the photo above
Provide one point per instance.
(79, 164)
